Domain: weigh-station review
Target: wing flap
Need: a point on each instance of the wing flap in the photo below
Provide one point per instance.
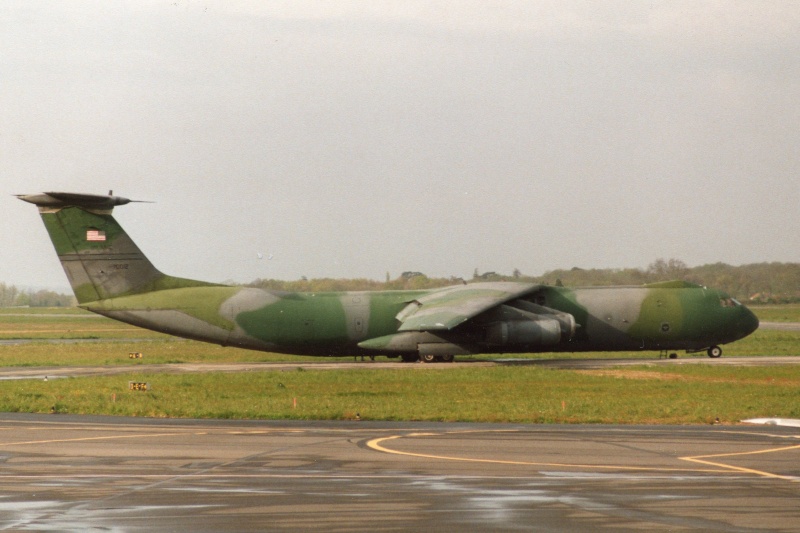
(447, 308)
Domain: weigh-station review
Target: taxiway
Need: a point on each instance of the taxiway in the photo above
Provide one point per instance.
(346, 363)
(75, 473)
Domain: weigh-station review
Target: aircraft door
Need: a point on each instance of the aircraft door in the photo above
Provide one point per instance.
(356, 311)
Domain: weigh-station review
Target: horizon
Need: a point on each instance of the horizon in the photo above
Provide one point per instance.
(67, 290)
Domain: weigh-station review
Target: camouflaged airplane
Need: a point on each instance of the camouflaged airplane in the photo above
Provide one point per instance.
(112, 277)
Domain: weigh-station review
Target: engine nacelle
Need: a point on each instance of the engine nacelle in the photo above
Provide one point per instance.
(567, 321)
(540, 332)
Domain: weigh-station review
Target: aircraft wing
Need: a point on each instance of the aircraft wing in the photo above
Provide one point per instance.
(447, 308)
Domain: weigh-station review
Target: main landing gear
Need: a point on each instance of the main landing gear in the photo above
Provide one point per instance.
(427, 358)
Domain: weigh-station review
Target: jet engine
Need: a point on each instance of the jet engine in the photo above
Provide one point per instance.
(537, 332)
(528, 324)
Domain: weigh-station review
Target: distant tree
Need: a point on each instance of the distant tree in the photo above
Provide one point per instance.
(46, 298)
(8, 295)
(11, 296)
(673, 269)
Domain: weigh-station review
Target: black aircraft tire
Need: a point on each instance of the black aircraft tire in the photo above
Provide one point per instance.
(715, 352)
(427, 358)
(447, 358)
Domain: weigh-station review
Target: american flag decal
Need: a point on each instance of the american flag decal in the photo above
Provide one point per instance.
(95, 235)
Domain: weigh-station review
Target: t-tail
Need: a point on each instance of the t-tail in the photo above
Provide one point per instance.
(100, 259)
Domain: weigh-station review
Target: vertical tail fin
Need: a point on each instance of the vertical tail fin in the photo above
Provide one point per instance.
(100, 259)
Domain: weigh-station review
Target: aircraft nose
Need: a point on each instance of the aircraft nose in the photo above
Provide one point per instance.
(748, 322)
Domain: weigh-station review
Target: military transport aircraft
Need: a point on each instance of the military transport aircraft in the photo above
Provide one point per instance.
(112, 277)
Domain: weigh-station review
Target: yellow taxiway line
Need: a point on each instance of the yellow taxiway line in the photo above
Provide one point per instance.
(378, 445)
(701, 459)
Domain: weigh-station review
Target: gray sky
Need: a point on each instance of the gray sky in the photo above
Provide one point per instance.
(351, 139)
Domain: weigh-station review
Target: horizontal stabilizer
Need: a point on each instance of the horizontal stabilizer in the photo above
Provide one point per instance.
(57, 200)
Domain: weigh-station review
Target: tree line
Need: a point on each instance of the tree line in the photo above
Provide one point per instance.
(12, 296)
(760, 282)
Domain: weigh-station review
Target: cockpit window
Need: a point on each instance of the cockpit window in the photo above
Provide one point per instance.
(729, 302)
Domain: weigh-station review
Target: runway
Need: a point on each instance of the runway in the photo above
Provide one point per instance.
(75, 473)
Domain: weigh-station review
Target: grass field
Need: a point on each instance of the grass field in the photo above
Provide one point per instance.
(637, 395)
(693, 394)
(66, 323)
(777, 313)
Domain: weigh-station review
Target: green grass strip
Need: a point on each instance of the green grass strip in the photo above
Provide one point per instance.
(696, 394)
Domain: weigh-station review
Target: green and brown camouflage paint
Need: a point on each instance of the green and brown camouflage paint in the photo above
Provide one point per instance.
(111, 276)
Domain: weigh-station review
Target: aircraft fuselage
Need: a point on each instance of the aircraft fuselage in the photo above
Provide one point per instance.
(607, 319)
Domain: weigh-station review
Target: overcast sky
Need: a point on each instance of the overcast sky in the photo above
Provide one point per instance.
(351, 139)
